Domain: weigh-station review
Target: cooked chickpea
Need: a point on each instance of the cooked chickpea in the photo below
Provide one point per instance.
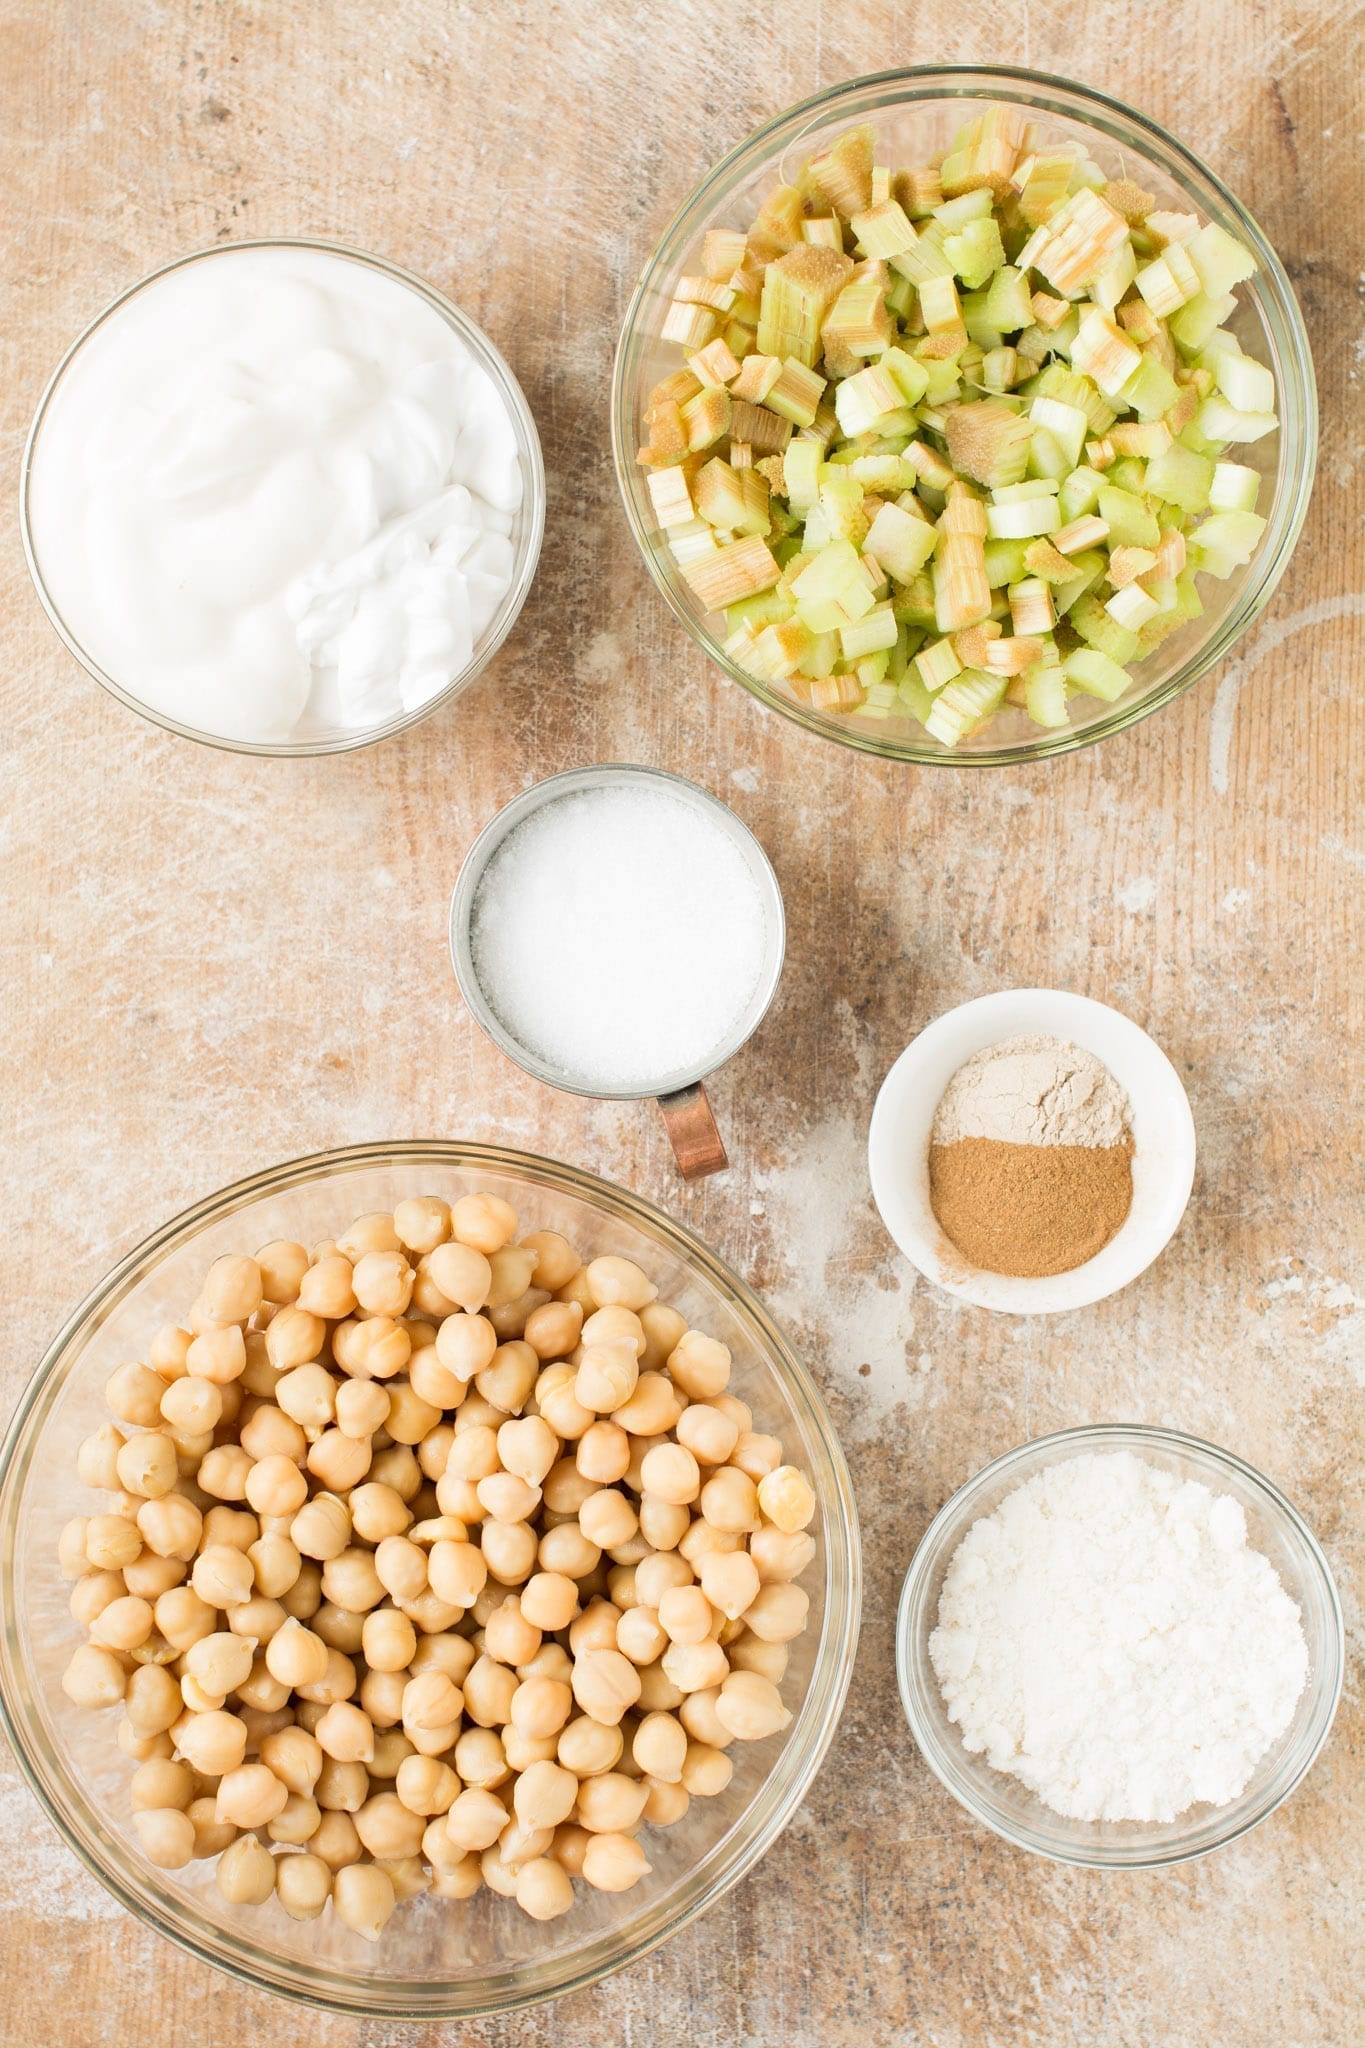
(461, 1275)
(223, 1472)
(296, 1655)
(400, 1566)
(640, 1637)
(361, 1409)
(339, 1461)
(346, 1733)
(484, 1221)
(296, 1822)
(670, 1473)
(708, 1433)
(652, 1409)
(685, 1614)
(295, 1757)
(607, 1376)
(659, 1746)
(111, 1542)
(92, 1594)
(620, 1281)
(223, 1576)
(489, 1688)
(97, 1458)
(388, 1640)
(694, 1666)
(457, 1572)
(605, 1684)
(421, 1223)
(303, 1884)
(166, 1835)
(169, 1349)
(549, 1600)
(465, 1345)
(587, 1747)
(432, 1701)
(281, 1265)
(212, 1743)
(729, 1580)
(557, 1402)
(249, 1796)
(663, 1524)
(510, 1271)
(540, 1707)
(218, 1355)
(363, 1898)
(607, 1518)
(667, 1802)
(160, 1783)
(326, 1288)
(246, 1872)
(341, 1787)
(729, 1501)
(426, 1786)
(613, 1863)
(565, 1550)
(750, 1706)
(777, 1613)
(509, 1551)
(192, 1405)
(387, 1828)
(769, 1660)
(553, 1329)
(603, 1454)
(544, 1889)
(706, 1771)
(134, 1393)
(308, 1393)
(220, 1662)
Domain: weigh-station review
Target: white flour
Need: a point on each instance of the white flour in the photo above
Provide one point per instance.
(1108, 1637)
(1033, 1090)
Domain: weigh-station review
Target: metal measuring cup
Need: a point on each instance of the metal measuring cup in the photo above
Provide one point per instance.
(681, 1096)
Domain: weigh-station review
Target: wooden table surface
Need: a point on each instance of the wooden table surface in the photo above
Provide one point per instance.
(213, 962)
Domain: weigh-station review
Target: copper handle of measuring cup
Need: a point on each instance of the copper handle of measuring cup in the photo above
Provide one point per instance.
(697, 1143)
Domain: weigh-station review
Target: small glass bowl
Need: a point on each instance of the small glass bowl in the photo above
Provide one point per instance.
(437, 1959)
(1001, 1802)
(528, 525)
(915, 113)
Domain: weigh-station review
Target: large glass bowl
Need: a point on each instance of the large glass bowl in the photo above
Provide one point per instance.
(437, 1959)
(915, 113)
(528, 524)
(1001, 1802)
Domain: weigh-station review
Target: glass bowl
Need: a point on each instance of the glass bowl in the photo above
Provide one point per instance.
(437, 1959)
(915, 113)
(1001, 1802)
(528, 524)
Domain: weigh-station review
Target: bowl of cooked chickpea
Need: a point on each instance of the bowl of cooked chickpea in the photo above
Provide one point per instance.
(429, 1580)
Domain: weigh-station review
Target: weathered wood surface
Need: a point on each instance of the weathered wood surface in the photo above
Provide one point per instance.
(211, 962)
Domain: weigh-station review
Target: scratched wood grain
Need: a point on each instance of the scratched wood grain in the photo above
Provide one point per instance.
(212, 962)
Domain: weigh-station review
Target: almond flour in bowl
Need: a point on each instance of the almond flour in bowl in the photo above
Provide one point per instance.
(1030, 1158)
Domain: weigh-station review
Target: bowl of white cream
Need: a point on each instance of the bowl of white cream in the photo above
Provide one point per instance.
(283, 497)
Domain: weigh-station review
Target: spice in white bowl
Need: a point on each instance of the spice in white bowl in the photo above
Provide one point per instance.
(1030, 1158)
(1109, 1637)
(620, 935)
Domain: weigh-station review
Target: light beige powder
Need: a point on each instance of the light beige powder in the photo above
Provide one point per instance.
(1033, 1090)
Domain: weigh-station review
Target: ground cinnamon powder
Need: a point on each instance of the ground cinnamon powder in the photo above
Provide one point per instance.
(1030, 1210)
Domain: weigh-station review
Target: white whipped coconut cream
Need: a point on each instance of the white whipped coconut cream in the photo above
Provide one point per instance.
(272, 496)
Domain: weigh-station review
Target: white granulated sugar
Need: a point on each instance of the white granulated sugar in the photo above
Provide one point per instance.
(619, 934)
(1033, 1090)
(1108, 1637)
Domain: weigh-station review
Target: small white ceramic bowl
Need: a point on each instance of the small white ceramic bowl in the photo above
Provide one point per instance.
(1163, 1145)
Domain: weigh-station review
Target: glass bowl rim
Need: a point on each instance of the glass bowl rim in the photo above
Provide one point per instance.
(924, 1716)
(1052, 91)
(489, 358)
(823, 1702)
